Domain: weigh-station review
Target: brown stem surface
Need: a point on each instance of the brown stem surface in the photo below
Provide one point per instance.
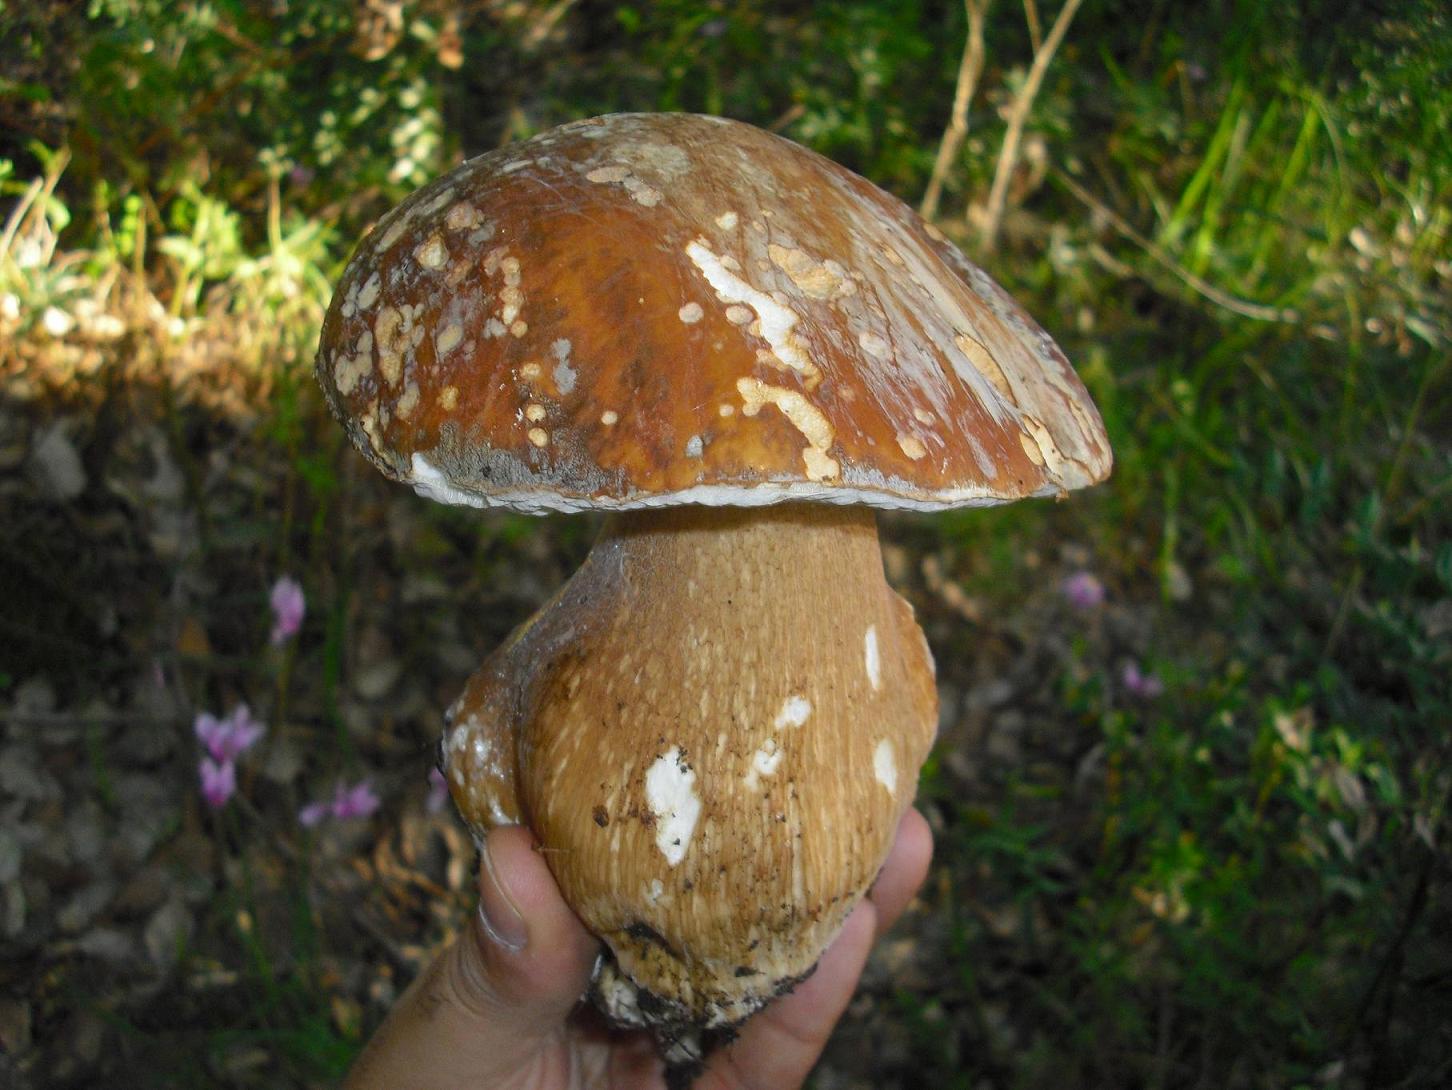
(713, 730)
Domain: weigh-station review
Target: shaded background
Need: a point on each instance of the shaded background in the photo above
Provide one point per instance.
(1191, 792)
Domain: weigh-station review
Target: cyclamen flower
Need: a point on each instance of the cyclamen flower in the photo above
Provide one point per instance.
(227, 739)
(1140, 684)
(347, 804)
(438, 791)
(1082, 590)
(288, 608)
(219, 781)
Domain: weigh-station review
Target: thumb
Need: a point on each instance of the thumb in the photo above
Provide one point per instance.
(526, 959)
(499, 994)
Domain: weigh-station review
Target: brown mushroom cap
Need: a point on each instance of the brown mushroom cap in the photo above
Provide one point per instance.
(652, 309)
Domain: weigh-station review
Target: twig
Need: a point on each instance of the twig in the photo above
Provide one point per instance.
(1259, 311)
(32, 204)
(970, 67)
(1017, 117)
(1035, 29)
(792, 112)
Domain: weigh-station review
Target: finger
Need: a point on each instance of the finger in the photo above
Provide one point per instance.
(903, 873)
(499, 994)
(778, 1046)
(526, 958)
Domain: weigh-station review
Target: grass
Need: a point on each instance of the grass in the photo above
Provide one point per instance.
(1239, 233)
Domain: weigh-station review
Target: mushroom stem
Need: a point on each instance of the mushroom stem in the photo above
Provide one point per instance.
(713, 730)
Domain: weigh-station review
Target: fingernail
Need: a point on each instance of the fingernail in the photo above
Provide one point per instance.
(497, 912)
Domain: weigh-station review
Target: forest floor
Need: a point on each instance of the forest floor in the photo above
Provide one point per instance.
(144, 527)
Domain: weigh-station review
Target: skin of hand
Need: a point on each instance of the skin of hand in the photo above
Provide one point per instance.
(499, 1008)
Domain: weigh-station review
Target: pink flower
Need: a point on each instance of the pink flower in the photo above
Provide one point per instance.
(219, 781)
(1140, 684)
(347, 803)
(227, 739)
(1083, 590)
(288, 608)
(354, 802)
(438, 791)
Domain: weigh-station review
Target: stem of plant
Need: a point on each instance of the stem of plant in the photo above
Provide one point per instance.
(1017, 118)
(970, 67)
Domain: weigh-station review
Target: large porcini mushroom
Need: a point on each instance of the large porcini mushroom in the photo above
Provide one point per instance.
(739, 349)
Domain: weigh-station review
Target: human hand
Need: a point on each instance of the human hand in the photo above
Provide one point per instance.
(498, 1009)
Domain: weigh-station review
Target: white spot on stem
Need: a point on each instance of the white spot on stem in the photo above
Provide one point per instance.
(670, 794)
(764, 762)
(872, 658)
(795, 711)
(884, 766)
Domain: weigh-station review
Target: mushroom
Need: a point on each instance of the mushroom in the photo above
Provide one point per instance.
(738, 350)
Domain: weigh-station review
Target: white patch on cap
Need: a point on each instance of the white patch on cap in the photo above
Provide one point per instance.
(449, 339)
(608, 175)
(670, 794)
(874, 345)
(872, 657)
(431, 253)
(795, 711)
(618, 174)
(884, 766)
(564, 374)
(693, 447)
(462, 217)
(691, 313)
(777, 322)
(981, 358)
(437, 201)
(805, 417)
(911, 445)
(368, 294)
(609, 417)
(726, 221)
(819, 279)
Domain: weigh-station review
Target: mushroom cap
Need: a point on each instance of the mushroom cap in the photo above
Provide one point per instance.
(641, 310)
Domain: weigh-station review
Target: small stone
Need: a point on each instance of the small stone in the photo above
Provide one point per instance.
(167, 933)
(86, 905)
(107, 944)
(85, 833)
(144, 891)
(15, 1021)
(22, 775)
(56, 467)
(10, 857)
(33, 696)
(284, 760)
(12, 909)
